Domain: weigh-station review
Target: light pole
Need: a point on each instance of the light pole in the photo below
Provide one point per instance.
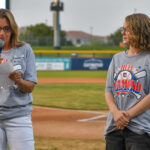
(56, 6)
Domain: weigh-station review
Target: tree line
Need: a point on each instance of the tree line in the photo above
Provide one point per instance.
(40, 32)
(44, 33)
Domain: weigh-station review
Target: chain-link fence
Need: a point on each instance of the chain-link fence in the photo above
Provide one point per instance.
(44, 41)
(48, 41)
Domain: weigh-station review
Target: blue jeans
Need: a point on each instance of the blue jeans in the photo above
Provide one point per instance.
(127, 140)
(17, 134)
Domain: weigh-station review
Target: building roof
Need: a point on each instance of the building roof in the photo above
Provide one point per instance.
(77, 34)
(81, 34)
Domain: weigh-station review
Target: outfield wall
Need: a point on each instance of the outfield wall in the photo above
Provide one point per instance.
(68, 63)
(53, 63)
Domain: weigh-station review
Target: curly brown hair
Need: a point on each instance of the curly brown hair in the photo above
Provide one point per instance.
(4, 13)
(138, 25)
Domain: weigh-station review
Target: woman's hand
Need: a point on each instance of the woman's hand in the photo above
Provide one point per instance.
(24, 85)
(121, 119)
(15, 76)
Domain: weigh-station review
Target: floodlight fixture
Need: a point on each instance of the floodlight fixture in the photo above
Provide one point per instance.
(57, 6)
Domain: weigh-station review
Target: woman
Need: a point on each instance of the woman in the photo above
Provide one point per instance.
(128, 89)
(15, 111)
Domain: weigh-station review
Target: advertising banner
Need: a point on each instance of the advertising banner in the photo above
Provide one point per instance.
(53, 63)
(90, 63)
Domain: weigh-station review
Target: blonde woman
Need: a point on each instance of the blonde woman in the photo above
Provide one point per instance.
(15, 111)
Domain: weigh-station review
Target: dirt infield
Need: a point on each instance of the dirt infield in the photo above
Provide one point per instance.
(71, 80)
(51, 122)
(74, 124)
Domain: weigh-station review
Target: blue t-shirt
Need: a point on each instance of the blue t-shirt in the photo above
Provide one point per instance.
(18, 102)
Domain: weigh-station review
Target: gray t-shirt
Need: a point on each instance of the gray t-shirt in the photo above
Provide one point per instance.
(128, 79)
(18, 102)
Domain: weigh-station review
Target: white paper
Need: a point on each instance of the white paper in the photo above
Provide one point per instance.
(5, 83)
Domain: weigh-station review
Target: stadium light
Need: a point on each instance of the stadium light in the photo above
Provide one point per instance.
(56, 7)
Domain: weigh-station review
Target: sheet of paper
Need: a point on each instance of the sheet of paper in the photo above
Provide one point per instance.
(5, 83)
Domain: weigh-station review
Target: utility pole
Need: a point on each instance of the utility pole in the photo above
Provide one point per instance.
(91, 36)
(56, 6)
(135, 10)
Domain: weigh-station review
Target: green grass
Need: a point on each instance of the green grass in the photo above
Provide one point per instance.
(46, 143)
(79, 48)
(72, 74)
(71, 96)
(72, 48)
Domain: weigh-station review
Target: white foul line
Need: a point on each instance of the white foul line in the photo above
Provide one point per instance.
(101, 114)
(93, 118)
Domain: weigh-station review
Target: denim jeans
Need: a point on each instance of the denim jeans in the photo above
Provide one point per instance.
(17, 134)
(127, 140)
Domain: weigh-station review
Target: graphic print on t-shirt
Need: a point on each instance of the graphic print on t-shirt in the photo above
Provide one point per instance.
(126, 80)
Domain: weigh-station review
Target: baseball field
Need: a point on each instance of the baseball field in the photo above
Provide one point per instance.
(69, 110)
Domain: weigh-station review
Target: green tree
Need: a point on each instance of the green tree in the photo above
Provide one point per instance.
(116, 37)
(40, 30)
(40, 34)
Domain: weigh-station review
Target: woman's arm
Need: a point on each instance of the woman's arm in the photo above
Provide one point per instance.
(23, 85)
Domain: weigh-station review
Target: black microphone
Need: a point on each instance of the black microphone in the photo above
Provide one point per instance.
(1, 46)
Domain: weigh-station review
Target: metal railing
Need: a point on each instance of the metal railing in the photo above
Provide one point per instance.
(75, 53)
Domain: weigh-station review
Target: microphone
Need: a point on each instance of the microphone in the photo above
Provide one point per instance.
(1, 46)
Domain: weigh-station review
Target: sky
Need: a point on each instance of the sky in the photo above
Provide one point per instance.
(96, 17)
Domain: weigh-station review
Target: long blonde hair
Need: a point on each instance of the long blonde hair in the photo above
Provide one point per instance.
(138, 25)
(14, 42)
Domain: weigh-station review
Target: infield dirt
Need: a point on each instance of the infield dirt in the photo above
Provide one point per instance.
(74, 124)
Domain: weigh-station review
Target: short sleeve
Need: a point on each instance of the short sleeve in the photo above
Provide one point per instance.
(110, 79)
(30, 72)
